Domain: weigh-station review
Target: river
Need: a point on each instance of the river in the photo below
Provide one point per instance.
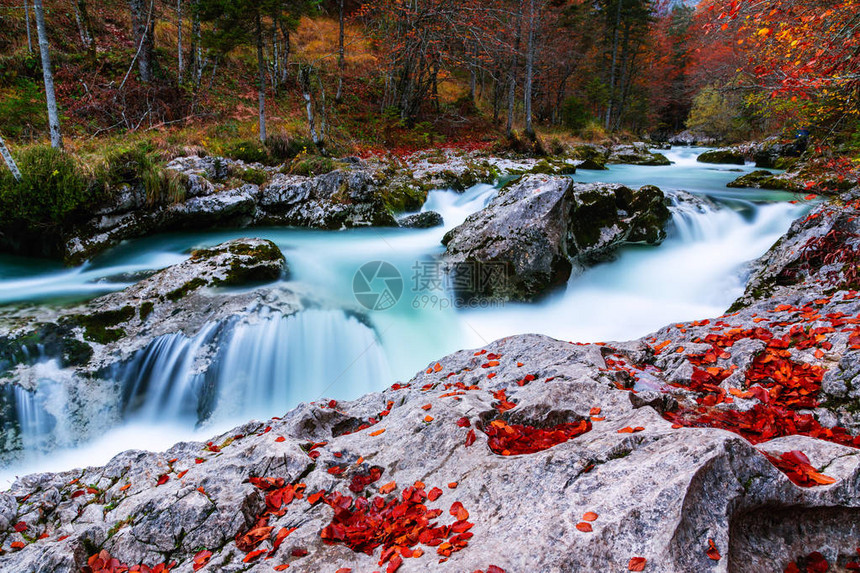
(275, 362)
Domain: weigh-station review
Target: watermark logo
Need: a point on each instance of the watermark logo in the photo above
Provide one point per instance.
(377, 285)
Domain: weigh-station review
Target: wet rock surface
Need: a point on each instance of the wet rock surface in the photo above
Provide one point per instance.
(541, 228)
(712, 445)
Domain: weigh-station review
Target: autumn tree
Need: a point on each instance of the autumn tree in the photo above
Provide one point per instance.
(804, 52)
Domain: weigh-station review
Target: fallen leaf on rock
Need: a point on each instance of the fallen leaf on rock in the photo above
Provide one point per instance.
(515, 439)
(795, 465)
(377, 432)
(201, 559)
(426, 406)
(637, 564)
(584, 526)
(453, 485)
(713, 552)
(162, 479)
(470, 438)
(589, 516)
(387, 488)
(20, 526)
(428, 418)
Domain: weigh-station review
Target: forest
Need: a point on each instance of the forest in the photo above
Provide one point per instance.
(351, 77)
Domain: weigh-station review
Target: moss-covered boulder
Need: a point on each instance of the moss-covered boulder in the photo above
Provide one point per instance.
(725, 156)
(636, 154)
(761, 179)
(529, 239)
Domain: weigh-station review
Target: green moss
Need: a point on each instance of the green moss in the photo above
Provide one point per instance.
(182, 291)
(247, 150)
(146, 310)
(404, 197)
(254, 176)
(98, 326)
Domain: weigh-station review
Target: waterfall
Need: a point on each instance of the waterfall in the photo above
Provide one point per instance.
(258, 366)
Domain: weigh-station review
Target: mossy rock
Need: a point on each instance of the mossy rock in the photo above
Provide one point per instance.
(724, 156)
(762, 179)
(181, 292)
(99, 326)
(404, 196)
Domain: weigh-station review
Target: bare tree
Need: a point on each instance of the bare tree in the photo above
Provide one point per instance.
(10, 162)
(340, 59)
(142, 25)
(512, 77)
(48, 74)
(261, 70)
(180, 61)
(530, 60)
(29, 36)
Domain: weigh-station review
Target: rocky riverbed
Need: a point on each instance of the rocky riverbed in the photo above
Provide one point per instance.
(723, 444)
(212, 192)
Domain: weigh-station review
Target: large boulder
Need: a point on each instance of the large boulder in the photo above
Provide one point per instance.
(729, 156)
(535, 232)
(341, 198)
(424, 220)
(636, 154)
(762, 179)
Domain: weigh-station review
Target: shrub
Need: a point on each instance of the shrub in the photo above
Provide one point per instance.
(282, 147)
(53, 192)
(247, 150)
(139, 165)
(311, 165)
(255, 176)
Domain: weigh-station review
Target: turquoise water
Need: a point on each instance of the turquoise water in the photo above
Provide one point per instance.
(697, 272)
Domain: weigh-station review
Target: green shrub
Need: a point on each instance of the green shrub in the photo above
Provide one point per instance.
(53, 191)
(247, 150)
(255, 176)
(139, 165)
(282, 147)
(311, 165)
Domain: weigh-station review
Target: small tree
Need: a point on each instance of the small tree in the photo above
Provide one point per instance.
(712, 114)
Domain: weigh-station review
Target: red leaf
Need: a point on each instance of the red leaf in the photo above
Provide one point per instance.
(636, 564)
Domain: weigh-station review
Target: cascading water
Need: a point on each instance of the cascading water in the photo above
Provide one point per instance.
(264, 363)
(253, 367)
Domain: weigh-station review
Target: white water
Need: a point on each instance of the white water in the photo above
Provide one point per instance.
(268, 364)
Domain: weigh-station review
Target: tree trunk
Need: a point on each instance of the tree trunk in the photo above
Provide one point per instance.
(141, 19)
(530, 59)
(180, 61)
(612, 69)
(261, 70)
(48, 74)
(305, 84)
(29, 36)
(285, 53)
(341, 63)
(473, 77)
(196, 47)
(512, 77)
(10, 161)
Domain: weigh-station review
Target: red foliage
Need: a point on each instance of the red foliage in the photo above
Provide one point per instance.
(395, 524)
(515, 439)
(796, 466)
(103, 562)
